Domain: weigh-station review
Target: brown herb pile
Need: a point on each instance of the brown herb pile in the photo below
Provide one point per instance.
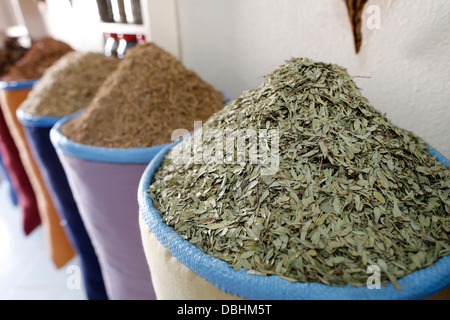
(70, 84)
(150, 94)
(351, 189)
(43, 53)
(11, 52)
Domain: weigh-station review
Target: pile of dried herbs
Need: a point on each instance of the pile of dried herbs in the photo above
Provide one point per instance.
(10, 53)
(351, 189)
(148, 96)
(43, 53)
(70, 84)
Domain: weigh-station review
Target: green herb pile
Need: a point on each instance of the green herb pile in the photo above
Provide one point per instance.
(351, 189)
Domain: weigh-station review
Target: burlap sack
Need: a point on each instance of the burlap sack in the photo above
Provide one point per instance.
(172, 280)
(12, 94)
(182, 271)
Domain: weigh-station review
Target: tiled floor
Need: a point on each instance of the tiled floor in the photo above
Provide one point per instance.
(26, 270)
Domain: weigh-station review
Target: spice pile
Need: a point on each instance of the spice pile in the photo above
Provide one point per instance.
(70, 84)
(143, 101)
(351, 189)
(42, 54)
(11, 52)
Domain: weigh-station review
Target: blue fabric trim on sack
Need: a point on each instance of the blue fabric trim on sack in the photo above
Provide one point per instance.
(17, 85)
(417, 285)
(95, 153)
(31, 120)
(439, 156)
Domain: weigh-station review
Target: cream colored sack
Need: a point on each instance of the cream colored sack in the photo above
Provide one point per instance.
(172, 280)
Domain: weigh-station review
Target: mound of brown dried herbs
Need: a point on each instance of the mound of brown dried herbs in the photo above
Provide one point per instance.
(10, 53)
(70, 84)
(43, 53)
(148, 96)
(352, 189)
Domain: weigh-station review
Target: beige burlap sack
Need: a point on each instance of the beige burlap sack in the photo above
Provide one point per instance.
(171, 279)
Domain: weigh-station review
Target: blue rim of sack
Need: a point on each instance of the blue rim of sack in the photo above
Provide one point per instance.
(31, 120)
(17, 85)
(95, 153)
(105, 154)
(419, 284)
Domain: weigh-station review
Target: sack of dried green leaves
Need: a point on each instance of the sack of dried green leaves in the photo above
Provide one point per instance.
(352, 192)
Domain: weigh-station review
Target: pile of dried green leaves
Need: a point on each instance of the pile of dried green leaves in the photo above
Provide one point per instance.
(351, 190)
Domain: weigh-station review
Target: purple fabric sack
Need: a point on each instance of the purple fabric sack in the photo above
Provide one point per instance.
(104, 182)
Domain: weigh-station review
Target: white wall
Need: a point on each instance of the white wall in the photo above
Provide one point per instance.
(233, 43)
(404, 66)
(75, 22)
(7, 17)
